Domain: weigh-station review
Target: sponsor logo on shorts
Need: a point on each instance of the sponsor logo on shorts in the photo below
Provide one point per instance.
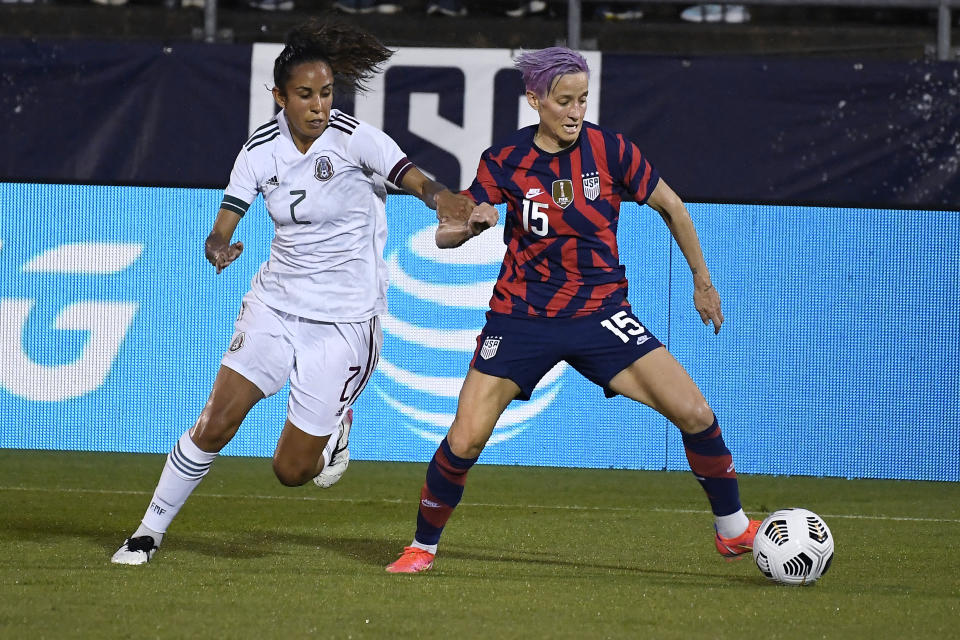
(237, 343)
(490, 346)
(642, 339)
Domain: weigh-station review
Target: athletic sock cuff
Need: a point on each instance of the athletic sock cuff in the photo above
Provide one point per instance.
(455, 460)
(188, 460)
(707, 433)
(192, 451)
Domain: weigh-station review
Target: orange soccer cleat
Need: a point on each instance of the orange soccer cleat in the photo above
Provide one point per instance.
(412, 560)
(734, 547)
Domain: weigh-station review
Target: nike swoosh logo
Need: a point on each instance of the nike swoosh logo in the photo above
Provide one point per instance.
(533, 193)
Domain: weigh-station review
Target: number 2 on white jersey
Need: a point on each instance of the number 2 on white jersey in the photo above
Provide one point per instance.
(535, 218)
(620, 322)
(293, 205)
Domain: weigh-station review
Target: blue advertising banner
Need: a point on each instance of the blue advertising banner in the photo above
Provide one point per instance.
(838, 357)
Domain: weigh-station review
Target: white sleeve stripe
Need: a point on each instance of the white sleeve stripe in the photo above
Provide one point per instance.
(235, 204)
(399, 170)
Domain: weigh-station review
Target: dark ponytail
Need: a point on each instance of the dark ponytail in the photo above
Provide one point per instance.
(354, 55)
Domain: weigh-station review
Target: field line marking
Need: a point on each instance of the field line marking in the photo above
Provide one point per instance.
(848, 516)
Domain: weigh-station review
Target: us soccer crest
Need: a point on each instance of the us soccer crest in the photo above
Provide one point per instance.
(490, 346)
(324, 169)
(591, 185)
(563, 192)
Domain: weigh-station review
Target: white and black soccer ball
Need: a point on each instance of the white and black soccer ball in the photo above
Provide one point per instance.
(793, 546)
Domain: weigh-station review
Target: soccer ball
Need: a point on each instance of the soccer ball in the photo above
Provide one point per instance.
(793, 546)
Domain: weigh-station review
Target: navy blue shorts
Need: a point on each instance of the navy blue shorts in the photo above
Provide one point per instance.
(599, 346)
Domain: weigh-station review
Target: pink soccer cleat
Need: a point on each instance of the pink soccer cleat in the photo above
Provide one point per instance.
(412, 560)
(734, 547)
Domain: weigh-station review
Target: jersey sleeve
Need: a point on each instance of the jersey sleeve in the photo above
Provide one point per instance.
(486, 186)
(376, 151)
(640, 177)
(243, 188)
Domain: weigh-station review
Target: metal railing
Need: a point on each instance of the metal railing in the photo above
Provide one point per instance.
(944, 14)
(575, 15)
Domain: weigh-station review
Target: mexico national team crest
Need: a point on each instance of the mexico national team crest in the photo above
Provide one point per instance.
(490, 346)
(591, 185)
(563, 192)
(237, 343)
(324, 169)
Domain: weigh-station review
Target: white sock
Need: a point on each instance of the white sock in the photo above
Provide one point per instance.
(432, 548)
(732, 525)
(328, 451)
(182, 472)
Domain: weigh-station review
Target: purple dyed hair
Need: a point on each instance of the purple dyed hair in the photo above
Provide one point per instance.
(540, 68)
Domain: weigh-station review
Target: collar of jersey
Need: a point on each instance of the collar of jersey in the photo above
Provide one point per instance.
(288, 150)
(554, 154)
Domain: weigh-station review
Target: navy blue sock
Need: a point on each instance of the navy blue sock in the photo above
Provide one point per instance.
(712, 464)
(441, 492)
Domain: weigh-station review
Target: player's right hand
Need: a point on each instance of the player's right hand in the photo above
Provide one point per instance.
(219, 253)
(454, 207)
(482, 218)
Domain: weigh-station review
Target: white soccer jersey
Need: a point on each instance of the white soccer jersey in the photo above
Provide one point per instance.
(328, 208)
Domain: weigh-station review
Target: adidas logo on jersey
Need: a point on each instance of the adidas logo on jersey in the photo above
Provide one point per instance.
(273, 182)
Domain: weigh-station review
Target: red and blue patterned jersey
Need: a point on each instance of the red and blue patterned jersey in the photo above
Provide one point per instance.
(560, 230)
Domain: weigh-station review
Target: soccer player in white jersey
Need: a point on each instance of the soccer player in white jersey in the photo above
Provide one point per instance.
(311, 315)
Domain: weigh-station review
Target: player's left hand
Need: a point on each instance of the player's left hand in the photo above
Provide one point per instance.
(707, 302)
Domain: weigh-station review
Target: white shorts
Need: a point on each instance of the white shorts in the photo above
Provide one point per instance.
(328, 364)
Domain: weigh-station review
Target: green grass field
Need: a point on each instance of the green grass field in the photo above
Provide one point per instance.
(530, 553)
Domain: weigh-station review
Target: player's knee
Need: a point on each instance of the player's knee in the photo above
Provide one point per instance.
(292, 475)
(212, 432)
(462, 442)
(696, 417)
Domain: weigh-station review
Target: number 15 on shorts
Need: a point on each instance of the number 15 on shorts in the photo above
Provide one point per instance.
(623, 326)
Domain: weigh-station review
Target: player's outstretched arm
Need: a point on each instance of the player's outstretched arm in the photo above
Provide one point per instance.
(220, 253)
(415, 182)
(458, 216)
(674, 213)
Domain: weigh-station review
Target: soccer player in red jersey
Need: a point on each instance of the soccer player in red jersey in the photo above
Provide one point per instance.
(562, 295)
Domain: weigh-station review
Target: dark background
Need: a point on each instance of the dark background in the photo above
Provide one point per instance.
(800, 106)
